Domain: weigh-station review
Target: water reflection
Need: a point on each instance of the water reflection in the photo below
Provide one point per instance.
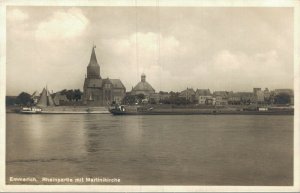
(133, 129)
(153, 150)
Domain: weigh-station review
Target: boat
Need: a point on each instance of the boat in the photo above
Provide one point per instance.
(151, 110)
(30, 110)
(130, 110)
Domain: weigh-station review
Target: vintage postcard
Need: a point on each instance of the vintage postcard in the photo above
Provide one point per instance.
(156, 95)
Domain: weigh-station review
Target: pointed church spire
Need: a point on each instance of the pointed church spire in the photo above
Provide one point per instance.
(93, 69)
(93, 60)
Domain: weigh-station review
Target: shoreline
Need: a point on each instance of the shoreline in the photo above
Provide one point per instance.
(165, 110)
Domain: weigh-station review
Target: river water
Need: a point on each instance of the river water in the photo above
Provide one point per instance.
(151, 150)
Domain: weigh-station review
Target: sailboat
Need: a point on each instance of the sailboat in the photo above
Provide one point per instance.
(45, 100)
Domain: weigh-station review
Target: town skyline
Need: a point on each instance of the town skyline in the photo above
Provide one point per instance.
(190, 52)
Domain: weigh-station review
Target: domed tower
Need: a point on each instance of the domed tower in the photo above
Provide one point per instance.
(143, 78)
(143, 87)
(93, 69)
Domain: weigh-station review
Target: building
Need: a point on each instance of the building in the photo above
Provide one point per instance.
(205, 100)
(189, 94)
(164, 95)
(220, 101)
(260, 96)
(255, 90)
(203, 95)
(143, 87)
(246, 97)
(221, 97)
(234, 99)
(287, 91)
(98, 91)
(202, 92)
(154, 98)
(60, 98)
(119, 90)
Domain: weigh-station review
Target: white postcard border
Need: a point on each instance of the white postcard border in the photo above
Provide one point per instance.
(121, 188)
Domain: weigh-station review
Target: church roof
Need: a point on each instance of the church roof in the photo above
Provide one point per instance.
(143, 86)
(106, 81)
(117, 83)
(93, 60)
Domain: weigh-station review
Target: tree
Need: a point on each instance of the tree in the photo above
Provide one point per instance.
(129, 100)
(63, 92)
(24, 99)
(70, 95)
(140, 96)
(77, 94)
(10, 100)
(282, 98)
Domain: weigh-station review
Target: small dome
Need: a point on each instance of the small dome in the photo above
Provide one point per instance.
(143, 86)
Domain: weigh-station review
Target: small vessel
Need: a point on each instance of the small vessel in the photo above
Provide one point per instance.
(45, 99)
(130, 110)
(31, 110)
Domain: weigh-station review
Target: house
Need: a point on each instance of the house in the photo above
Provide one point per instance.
(60, 98)
(188, 94)
(221, 97)
(202, 95)
(205, 100)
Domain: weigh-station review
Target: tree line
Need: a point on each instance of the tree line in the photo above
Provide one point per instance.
(26, 99)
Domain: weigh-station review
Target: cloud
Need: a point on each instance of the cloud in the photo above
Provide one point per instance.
(140, 53)
(144, 48)
(227, 61)
(249, 69)
(17, 15)
(62, 25)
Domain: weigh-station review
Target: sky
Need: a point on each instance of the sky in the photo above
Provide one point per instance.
(219, 48)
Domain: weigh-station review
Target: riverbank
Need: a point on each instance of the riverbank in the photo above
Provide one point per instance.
(65, 110)
(160, 109)
(148, 109)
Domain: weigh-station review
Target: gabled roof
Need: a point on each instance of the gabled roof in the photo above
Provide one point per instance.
(203, 92)
(106, 81)
(117, 83)
(188, 91)
(220, 93)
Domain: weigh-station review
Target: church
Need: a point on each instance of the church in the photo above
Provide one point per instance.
(143, 87)
(98, 91)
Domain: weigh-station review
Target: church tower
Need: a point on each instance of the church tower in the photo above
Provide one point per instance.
(98, 91)
(92, 88)
(93, 69)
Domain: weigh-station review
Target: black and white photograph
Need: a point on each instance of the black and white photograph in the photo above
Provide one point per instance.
(150, 94)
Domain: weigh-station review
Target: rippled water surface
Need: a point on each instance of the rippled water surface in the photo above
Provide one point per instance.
(152, 150)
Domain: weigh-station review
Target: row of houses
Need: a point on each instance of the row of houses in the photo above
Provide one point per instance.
(205, 96)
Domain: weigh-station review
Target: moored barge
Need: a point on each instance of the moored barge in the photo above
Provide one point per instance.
(149, 110)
